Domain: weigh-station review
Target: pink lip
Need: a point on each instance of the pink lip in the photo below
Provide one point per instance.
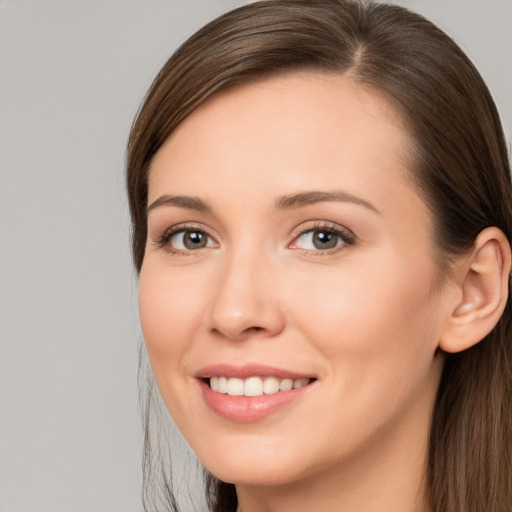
(244, 409)
(248, 370)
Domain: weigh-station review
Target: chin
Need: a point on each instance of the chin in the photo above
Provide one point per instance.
(259, 465)
(249, 475)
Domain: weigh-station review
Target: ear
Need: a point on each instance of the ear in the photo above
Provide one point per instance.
(482, 282)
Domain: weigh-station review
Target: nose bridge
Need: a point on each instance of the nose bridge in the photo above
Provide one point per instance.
(245, 299)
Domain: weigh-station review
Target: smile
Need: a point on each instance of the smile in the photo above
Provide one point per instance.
(251, 392)
(255, 386)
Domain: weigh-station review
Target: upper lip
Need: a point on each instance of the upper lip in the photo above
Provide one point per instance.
(249, 370)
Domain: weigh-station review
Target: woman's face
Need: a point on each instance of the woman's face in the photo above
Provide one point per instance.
(287, 247)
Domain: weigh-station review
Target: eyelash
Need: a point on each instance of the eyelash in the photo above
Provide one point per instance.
(345, 235)
(163, 240)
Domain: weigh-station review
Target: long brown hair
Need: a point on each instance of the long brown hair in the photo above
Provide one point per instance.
(460, 164)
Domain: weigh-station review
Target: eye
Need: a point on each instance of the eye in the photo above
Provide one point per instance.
(184, 240)
(322, 238)
(318, 240)
(190, 240)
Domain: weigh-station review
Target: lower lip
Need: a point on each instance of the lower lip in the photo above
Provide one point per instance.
(246, 409)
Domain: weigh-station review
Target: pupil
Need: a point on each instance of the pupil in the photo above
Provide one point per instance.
(324, 240)
(194, 239)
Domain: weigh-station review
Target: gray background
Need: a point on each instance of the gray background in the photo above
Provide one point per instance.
(72, 74)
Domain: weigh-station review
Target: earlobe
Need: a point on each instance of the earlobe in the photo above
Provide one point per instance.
(483, 280)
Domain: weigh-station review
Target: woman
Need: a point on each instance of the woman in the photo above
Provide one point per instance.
(321, 209)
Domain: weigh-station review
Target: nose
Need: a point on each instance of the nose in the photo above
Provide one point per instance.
(245, 302)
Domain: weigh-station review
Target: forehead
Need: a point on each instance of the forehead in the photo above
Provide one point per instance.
(297, 127)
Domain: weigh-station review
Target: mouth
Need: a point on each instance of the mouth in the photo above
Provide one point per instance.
(255, 386)
(252, 392)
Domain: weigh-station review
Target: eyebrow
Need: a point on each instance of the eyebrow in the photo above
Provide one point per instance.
(305, 198)
(188, 202)
(287, 202)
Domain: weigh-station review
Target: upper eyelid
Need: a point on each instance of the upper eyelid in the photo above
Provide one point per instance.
(162, 237)
(318, 225)
(346, 235)
(186, 226)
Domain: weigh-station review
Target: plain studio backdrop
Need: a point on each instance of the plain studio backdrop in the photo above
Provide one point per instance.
(72, 74)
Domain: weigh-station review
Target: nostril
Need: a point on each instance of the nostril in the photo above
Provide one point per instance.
(244, 318)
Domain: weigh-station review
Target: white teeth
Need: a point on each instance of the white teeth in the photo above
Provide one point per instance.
(255, 386)
(270, 385)
(286, 385)
(299, 383)
(235, 387)
(223, 385)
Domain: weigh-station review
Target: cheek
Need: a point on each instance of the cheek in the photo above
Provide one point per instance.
(169, 313)
(379, 321)
(377, 331)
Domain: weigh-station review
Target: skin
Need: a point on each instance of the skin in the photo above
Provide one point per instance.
(364, 318)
